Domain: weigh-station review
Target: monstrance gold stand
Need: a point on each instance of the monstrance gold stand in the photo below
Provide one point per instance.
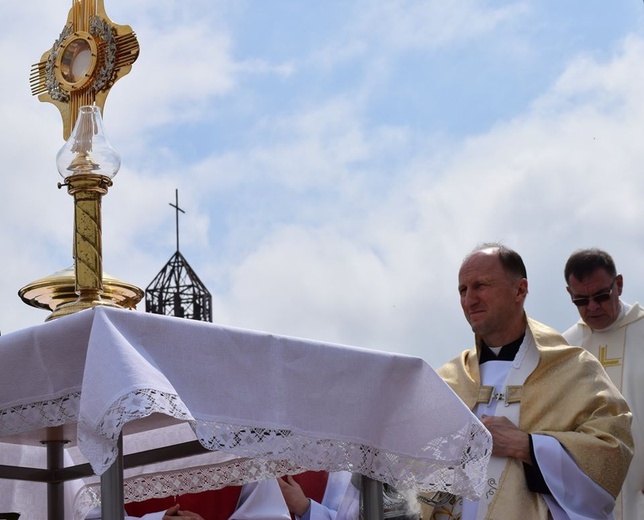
(76, 75)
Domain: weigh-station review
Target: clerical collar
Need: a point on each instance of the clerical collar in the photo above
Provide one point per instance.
(507, 352)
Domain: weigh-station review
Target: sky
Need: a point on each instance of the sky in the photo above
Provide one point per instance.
(337, 160)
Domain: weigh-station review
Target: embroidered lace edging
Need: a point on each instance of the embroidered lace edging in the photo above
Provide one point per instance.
(42, 414)
(269, 453)
(99, 444)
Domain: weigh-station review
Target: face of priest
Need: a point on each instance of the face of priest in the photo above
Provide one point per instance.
(492, 299)
(600, 284)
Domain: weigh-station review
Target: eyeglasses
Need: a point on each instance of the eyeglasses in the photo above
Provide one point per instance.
(598, 298)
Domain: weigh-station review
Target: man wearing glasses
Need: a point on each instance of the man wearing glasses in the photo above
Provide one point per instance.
(613, 331)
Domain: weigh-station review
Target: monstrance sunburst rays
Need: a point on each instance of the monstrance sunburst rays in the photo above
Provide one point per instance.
(89, 56)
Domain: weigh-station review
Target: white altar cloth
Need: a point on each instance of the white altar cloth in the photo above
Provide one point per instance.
(286, 403)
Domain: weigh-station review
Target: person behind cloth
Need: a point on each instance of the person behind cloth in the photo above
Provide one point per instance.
(257, 500)
(276, 499)
(560, 429)
(613, 331)
(341, 499)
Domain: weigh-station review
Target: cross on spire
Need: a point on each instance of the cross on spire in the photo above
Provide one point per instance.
(177, 210)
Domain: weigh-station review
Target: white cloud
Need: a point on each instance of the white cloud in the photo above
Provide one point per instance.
(546, 182)
(410, 24)
(176, 77)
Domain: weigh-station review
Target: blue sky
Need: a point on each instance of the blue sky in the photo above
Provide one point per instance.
(336, 160)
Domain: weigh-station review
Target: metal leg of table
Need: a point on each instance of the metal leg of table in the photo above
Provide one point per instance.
(55, 490)
(372, 500)
(112, 488)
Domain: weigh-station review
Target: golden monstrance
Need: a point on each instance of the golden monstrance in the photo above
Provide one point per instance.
(76, 75)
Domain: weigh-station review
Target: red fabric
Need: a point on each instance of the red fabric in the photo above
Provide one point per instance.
(212, 505)
(313, 483)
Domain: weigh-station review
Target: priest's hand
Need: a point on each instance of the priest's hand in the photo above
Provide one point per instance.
(175, 512)
(294, 497)
(507, 439)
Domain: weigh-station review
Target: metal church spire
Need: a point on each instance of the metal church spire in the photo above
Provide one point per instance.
(177, 290)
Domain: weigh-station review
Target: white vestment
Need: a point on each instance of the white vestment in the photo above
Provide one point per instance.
(574, 495)
(341, 500)
(620, 348)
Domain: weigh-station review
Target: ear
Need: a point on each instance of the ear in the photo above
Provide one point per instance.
(569, 290)
(522, 289)
(619, 282)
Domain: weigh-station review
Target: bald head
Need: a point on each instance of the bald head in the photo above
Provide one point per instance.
(493, 286)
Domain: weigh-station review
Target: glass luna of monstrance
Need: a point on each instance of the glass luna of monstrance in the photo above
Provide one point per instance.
(88, 151)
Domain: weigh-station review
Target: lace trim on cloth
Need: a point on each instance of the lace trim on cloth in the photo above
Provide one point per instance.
(402, 472)
(181, 482)
(99, 443)
(269, 453)
(33, 416)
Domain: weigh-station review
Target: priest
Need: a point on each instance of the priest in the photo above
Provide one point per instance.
(560, 429)
(613, 331)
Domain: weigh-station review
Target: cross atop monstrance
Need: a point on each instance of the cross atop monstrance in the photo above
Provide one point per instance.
(76, 75)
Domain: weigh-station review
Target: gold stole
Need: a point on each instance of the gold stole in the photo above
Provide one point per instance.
(608, 347)
(508, 398)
